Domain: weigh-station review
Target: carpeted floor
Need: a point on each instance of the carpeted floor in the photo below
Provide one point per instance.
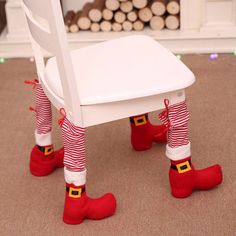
(34, 206)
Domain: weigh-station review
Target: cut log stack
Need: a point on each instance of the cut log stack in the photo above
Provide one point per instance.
(126, 15)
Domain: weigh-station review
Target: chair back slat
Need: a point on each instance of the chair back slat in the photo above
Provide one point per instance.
(41, 8)
(53, 38)
(40, 35)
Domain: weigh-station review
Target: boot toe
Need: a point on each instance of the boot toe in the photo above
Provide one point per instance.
(160, 134)
(102, 207)
(218, 174)
(209, 177)
(59, 155)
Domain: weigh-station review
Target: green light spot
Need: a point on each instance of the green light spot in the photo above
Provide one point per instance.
(234, 52)
(178, 56)
(2, 60)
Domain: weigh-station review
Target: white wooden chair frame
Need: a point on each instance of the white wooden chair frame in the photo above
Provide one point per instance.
(53, 38)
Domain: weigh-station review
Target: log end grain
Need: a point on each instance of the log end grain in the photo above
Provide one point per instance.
(157, 23)
(106, 26)
(172, 22)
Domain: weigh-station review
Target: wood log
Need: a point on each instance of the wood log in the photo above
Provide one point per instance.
(139, 4)
(158, 7)
(112, 5)
(157, 23)
(173, 7)
(95, 14)
(145, 14)
(119, 17)
(127, 26)
(172, 22)
(107, 14)
(84, 22)
(138, 25)
(126, 6)
(105, 26)
(117, 27)
(68, 18)
(74, 28)
(132, 16)
(95, 27)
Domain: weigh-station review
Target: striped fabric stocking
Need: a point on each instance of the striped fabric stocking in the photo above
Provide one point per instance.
(74, 146)
(43, 112)
(176, 117)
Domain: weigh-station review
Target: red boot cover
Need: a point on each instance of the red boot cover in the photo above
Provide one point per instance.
(78, 206)
(184, 178)
(43, 160)
(143, 133)
(208, 177)
(59, 156)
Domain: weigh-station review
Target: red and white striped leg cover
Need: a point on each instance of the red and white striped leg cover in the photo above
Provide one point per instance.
(177, 118)
(43, 112)
(43, 118)
(74, 146)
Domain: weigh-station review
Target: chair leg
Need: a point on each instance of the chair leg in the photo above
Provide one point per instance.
(43, 159)
(143, 133)
(78, 205)
(182, 174)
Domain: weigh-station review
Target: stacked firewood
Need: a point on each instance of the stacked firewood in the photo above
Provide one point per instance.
(127, 15)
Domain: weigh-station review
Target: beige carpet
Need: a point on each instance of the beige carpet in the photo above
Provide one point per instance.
(34, 206)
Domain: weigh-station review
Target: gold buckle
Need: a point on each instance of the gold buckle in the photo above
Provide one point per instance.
(140, 120)
(77, 190)
(181, 165)
(48, 150)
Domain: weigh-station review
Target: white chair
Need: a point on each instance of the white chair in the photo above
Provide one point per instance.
(107, 81)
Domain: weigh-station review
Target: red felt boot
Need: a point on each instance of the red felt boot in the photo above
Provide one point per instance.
(143, 133)
(44, 160)
(184, 178)
(79, 206)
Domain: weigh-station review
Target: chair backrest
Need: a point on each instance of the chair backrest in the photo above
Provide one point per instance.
(53, 39)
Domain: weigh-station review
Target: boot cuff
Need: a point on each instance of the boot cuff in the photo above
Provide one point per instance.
(43, 139)
(178, 153)
(76, 178)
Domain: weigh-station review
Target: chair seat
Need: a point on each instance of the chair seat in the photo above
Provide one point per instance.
(122, 69)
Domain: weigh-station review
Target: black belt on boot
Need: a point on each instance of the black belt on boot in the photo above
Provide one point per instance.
(75, 192)
(182, 167)
(46, 150)
(140, 120)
